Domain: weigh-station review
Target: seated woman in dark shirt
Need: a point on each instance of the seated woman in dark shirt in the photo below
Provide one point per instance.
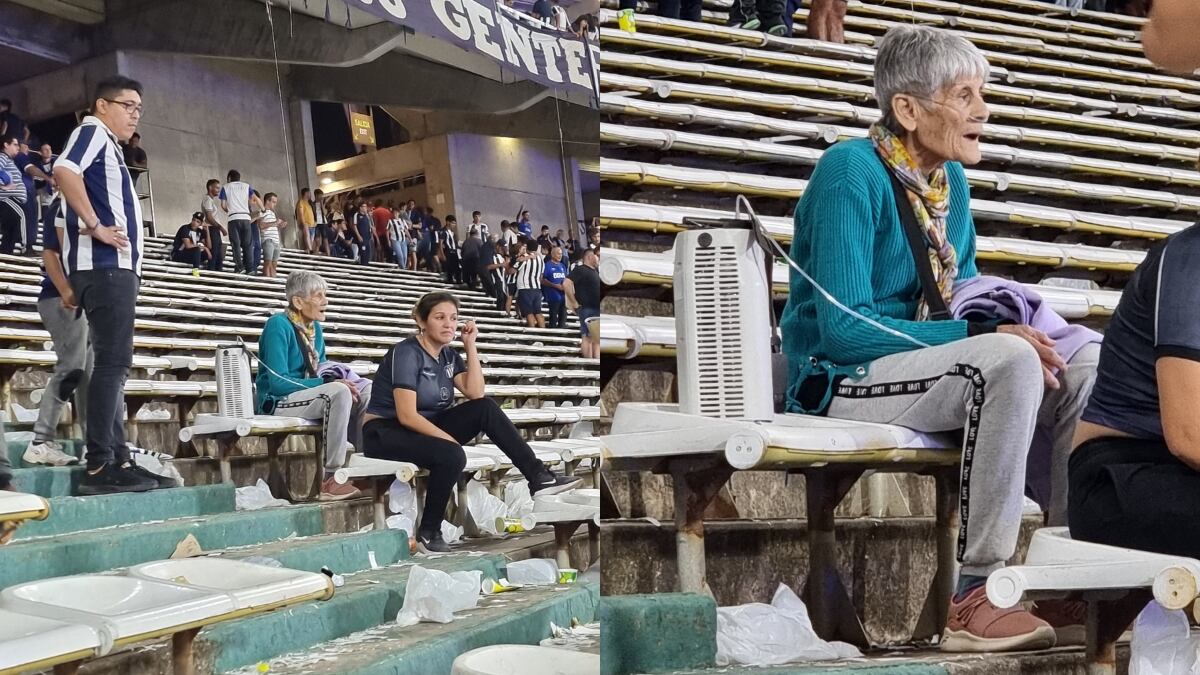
(412, 417)
(1135, 469)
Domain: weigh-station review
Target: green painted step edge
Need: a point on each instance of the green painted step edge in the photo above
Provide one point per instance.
(657, 632)
(17, 448)
(527, 625)
(100, 550)
(342, 553)
(357, 606)
(77, 514)
(48, 481)
(859, 668)
(429, 649)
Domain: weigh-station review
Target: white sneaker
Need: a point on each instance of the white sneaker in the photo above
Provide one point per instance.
(48, 453)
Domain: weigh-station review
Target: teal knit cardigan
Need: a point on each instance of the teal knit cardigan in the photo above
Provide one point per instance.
(279, 350)
(849, 238)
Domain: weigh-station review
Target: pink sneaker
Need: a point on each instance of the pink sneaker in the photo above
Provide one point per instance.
(976, 625)
(333, 491)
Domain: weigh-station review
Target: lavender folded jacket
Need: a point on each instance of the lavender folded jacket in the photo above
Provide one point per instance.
(1009, 300)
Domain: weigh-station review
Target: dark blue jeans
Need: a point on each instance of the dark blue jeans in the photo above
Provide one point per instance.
(366, 248)
(241, 241)
(558, 313)
(108, 297)
(255, 248)
(217, 261)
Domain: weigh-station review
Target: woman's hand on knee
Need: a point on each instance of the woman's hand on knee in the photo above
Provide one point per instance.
(351, 387)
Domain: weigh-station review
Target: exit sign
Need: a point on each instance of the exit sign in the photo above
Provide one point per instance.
(363, 129)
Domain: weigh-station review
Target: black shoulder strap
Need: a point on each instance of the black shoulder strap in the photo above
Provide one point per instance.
(920, 253)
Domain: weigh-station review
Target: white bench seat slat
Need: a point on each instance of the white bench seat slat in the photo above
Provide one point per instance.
(30, 642)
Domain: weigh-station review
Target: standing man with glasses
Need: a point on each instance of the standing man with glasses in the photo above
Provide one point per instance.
(102, 250)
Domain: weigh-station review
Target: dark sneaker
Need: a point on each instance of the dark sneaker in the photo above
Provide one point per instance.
(549, 483)
(976, 625)
(778, 30)
(432, 543)
(113, 479)
(159, 481)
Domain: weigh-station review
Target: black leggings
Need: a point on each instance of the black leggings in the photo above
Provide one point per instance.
(388, 439)
(1134, 493)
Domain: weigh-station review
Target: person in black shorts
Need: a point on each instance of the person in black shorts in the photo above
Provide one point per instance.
(411, 416)
(1135, 470)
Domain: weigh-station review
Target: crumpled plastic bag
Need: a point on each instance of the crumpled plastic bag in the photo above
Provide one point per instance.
(163, 467)
(433, 595)
(765, 635)
(517, 498)
(485, 508)
(533, 572)
(451, 533)
(1162, 643)
(257, 496)
(402, 501)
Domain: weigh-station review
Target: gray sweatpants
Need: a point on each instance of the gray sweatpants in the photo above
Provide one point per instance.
(990, 387)
(335, 407)
(72, 370)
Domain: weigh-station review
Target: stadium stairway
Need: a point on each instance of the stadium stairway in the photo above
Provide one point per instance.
(181, 318)
(1089, 158)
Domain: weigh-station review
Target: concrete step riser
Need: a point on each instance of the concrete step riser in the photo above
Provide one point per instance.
(886, 564)
(76, 514)
(120, 547)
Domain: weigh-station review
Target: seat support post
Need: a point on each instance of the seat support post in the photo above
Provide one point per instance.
(1106, 620)
(181, 651)
(695, 486)
(380, 501)
(833, 615)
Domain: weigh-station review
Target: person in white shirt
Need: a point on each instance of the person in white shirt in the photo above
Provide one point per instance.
(236, 198)
(477, 223)
(270, 224)
(508, 233)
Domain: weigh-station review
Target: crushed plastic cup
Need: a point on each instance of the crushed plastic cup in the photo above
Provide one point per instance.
(494, 586)
(338, 580)
(567, 575)
(516, 525)
(626, 21)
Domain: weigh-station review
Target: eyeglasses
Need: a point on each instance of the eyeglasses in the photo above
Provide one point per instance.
(134, 108)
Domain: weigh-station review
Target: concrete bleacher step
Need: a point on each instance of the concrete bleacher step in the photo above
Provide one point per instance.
(122, 546)
(47, 481)
(79, 514)
(521, 617)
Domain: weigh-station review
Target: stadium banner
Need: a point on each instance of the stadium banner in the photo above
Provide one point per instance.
(519, 43)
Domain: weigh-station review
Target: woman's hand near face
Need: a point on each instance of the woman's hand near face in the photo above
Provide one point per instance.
(470, 333)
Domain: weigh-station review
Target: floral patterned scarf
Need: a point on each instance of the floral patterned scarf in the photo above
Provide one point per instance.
(307, 335)
(930, 199)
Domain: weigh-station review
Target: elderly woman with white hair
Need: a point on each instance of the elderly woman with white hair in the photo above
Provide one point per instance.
(880, 213)
(291, 352)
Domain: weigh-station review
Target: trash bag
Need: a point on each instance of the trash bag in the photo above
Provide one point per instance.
(533, 572)
(161, 466)
(484, 507)
(451, 533)
(1162, 643)
(517, 498)
(433, 595)
(764, 635)
(402, 499)
(257, 496)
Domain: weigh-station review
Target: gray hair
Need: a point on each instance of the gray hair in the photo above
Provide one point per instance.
(302, 284)
(921, 61)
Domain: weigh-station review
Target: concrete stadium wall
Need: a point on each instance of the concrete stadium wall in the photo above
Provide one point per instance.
(497, 175)
(204, 117)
